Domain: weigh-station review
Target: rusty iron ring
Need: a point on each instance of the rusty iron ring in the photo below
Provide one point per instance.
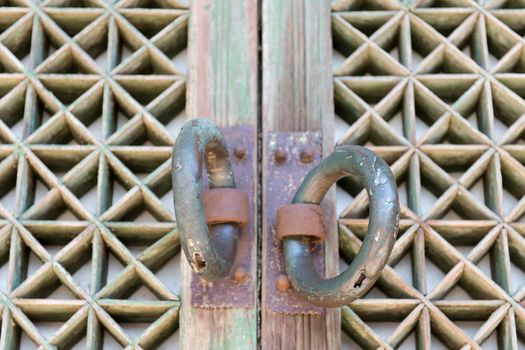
(377, 246)
(210, 250)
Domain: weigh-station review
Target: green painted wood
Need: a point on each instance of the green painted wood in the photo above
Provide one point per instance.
(222, 86)
(455, 66)
(63, 68)
(451, 76)
(297, 96)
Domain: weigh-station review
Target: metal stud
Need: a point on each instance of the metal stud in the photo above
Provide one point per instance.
(307, 155)
(282, 283)
(239, 152)
(240, 275)
(280, 155)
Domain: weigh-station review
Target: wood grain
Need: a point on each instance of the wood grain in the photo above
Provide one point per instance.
(297, 96)
(222, 86)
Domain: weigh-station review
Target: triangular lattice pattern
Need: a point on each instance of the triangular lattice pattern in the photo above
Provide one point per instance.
(436, 88)
(84, 164)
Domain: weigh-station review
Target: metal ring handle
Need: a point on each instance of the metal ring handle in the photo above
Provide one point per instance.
(210, 252)
(378, 243)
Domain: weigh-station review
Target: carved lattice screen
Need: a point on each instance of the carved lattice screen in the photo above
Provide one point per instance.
(438, 90)
(84, 171)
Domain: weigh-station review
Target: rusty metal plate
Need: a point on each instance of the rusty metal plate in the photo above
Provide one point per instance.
(227, 292)
(285, 172)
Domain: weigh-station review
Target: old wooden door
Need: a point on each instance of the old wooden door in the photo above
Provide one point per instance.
(93, 94)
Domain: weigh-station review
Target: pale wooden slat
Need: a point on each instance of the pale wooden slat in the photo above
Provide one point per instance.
(222, 86)
(297, 96)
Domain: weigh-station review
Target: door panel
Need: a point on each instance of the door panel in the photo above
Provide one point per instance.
(89, 246)
(89, 249)
(223, 86)
(429, 89)
(296, 97)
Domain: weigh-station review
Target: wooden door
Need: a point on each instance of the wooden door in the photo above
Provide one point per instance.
(93, 94)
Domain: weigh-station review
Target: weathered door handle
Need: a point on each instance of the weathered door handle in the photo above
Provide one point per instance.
(208, 224)
(377, 246)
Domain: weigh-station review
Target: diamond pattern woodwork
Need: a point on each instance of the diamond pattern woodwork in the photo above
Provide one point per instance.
(436, 88)
(85, 145)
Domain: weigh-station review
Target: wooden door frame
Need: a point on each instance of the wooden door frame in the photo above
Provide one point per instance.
(222, 86)
(296, 96)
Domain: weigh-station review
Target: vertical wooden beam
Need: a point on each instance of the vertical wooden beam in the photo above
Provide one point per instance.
(222, 86)
(297, 96)
(223, 62)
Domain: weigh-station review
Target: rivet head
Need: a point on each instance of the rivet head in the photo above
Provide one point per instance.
(240, 275)
(279, 155)
(239, 152)
(282, 283)
(307, 155)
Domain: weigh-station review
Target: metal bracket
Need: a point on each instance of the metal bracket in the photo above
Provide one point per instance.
(236, 290)
(291, 155)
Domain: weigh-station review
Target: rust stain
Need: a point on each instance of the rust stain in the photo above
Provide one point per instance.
(283, 179)
(301, 219)
(237, 289)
